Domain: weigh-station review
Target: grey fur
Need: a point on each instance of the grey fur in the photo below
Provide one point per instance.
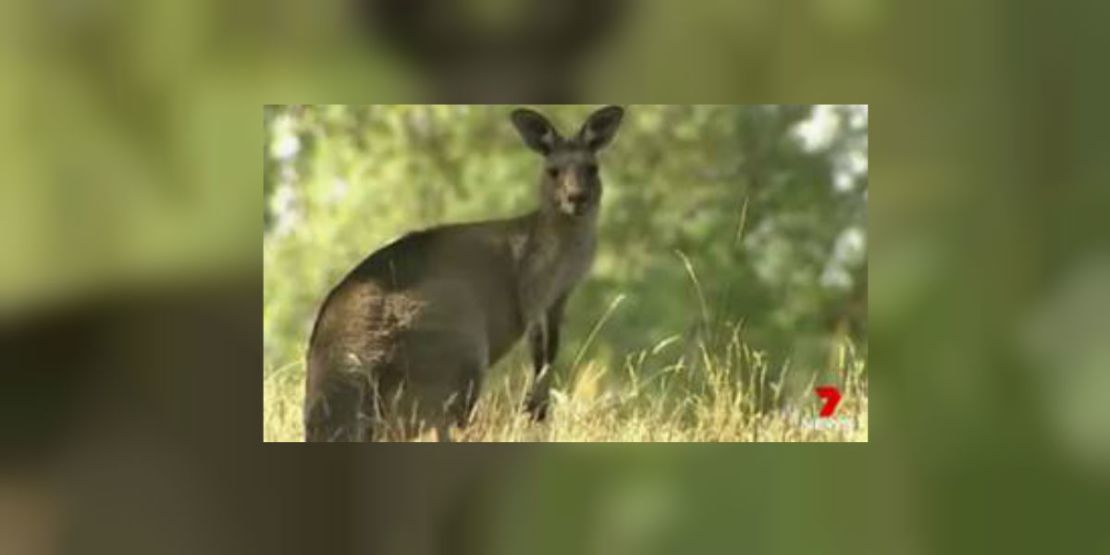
(404, 339)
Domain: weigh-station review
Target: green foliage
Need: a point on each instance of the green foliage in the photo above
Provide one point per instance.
(769, 213)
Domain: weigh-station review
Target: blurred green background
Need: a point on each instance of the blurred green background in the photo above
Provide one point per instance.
(767, 203)
(131, 138)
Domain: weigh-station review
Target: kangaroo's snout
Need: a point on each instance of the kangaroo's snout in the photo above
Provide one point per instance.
(577, 199)
(575, 195)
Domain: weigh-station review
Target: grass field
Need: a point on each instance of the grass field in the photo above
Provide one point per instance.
(695, 395)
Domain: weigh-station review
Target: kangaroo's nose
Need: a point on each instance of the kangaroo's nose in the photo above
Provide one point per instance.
(576, 197)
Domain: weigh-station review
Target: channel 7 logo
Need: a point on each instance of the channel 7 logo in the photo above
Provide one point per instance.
(831, 395)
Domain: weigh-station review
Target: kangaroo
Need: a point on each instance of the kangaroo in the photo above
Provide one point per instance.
(404, 339)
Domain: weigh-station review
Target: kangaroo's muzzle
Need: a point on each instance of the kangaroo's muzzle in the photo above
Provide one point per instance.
(574, 199)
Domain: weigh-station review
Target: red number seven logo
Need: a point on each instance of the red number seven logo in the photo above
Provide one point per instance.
(831, 395)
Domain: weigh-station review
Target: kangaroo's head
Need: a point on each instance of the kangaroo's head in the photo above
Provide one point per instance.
(570, 185)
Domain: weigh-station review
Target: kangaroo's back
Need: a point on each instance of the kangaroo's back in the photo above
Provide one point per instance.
(432, 296)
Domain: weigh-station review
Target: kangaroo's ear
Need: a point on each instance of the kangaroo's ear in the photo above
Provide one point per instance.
(537, 132)
(601, 126)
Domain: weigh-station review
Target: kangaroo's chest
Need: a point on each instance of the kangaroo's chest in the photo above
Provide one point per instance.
(549, 268)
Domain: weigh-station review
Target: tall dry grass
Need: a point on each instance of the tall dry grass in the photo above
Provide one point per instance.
(679, 390)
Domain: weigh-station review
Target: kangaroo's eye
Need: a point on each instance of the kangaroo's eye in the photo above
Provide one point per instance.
(553, 172)
(591, 170)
